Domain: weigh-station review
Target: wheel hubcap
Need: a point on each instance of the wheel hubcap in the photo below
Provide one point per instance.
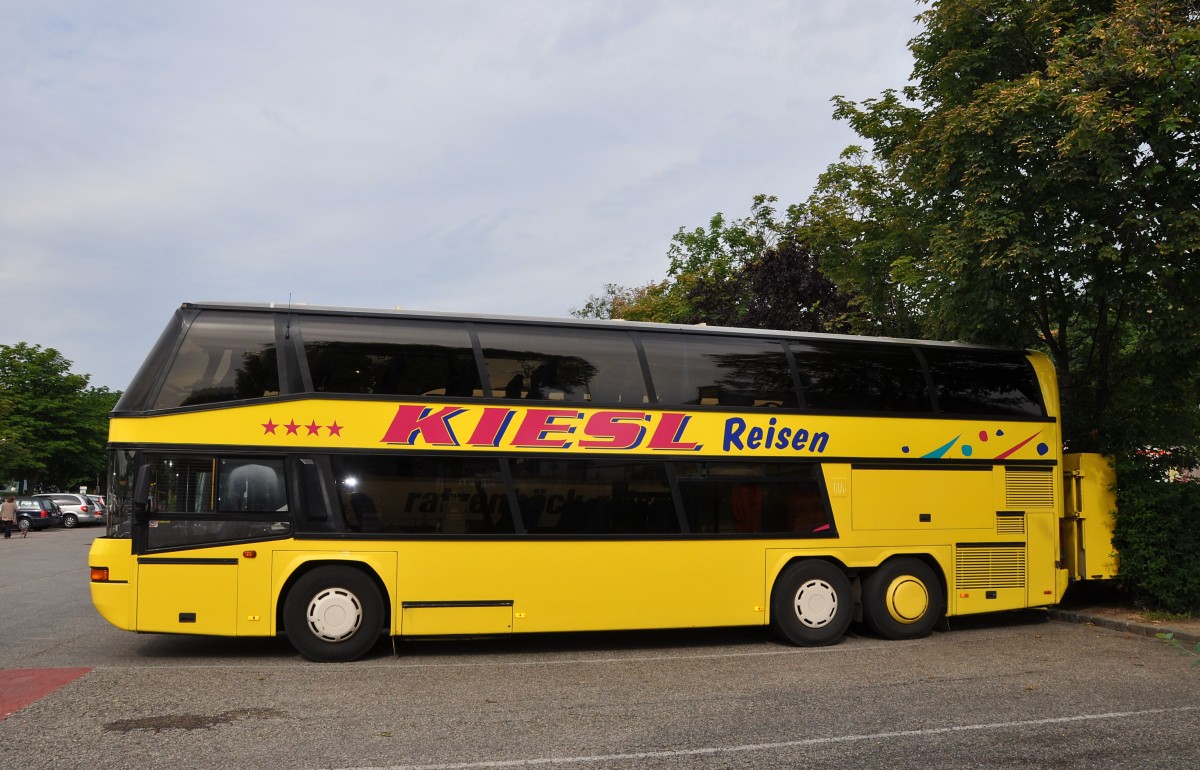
(816, 603)
(334, 615)
(907, 599)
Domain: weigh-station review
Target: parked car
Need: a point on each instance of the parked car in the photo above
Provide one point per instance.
(37, 513)
(76, 509)
(98, 500)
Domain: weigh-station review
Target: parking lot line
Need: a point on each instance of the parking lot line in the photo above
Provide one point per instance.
(717, 750)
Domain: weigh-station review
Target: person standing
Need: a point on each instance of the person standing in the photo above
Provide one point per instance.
(8, 515)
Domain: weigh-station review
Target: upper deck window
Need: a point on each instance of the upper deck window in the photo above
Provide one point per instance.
(224, 357)
(393, 357)
(725, 371)
(984, 382)
(547, 364)
(861, 377)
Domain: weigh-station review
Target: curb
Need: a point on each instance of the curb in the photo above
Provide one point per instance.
(1128, 626)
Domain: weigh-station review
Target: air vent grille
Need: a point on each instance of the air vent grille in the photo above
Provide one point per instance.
(1025, 489)
(981, 568)
(1010, 525)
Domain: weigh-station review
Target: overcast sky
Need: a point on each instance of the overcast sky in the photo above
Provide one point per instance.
(498, 156)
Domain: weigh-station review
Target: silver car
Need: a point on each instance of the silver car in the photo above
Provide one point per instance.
(76, 509)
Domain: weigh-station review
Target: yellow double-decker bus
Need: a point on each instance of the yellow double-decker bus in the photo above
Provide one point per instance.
(335, 475)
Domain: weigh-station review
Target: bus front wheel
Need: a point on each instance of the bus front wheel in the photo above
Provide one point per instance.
(811, 603)
(903, 599)
(333, 614)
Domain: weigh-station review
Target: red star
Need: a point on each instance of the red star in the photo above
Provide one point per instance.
(313, 428)
(335, 429)
(269, 427)
(292, 427)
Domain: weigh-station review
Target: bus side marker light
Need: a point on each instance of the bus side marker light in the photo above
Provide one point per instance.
(99, 574)
(964, 595)
(254, 617)
(758, 609)
(518, 615)
(249, 554)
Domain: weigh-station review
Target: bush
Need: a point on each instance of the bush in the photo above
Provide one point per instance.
(1158, 535)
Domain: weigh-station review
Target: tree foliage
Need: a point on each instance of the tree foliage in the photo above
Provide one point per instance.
(1046, 164)
(53, 426)
(752, 271)
(869, 234)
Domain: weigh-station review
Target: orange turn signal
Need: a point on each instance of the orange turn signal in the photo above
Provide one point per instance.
(99, 574)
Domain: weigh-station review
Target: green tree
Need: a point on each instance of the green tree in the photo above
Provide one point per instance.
(53, 427)
(1046, 160)
(655, 302)
(750, 272)
(868, 232)
(1037, 186)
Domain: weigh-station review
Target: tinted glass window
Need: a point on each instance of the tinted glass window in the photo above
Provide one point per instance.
(591, 497)
(984, 382)
(196, 500)
(548, 364)
(688, 369)
(422, 495)
(138, 395)
(392, 357)
(861, 378)
(224, 357)
(121, 476)
(753, 498)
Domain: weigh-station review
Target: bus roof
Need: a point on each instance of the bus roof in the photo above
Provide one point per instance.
(428, 315)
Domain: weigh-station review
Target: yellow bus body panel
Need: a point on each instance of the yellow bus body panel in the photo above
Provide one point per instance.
(323, 425)
(114, 599)
(1091, 506)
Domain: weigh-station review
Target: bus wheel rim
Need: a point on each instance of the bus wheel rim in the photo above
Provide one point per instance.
(907, 599)
(816, 603)
(334, 615)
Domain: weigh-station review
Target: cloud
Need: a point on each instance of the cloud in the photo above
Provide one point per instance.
(471, 156)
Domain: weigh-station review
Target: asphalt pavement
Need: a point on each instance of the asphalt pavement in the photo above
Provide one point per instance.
(1016, 689)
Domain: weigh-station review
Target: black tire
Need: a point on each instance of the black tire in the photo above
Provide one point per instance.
(811, 603)
(24, 525)
(903, 599)
(70, 520)
(333, 614)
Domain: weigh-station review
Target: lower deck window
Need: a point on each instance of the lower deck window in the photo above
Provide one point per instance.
(753, 498)
(422, 495)
(589, 497)
(206, 499)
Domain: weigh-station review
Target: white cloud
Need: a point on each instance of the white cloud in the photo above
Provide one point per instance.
(506, 157)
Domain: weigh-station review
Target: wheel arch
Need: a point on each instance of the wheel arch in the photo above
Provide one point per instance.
(310, 565)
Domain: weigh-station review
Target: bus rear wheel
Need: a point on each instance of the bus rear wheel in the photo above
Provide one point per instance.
(811, 603)
(903, 599)
(333, 614)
